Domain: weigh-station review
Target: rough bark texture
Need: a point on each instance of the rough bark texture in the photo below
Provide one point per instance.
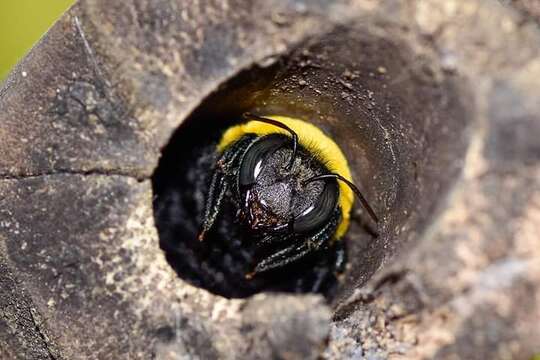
(84, 116)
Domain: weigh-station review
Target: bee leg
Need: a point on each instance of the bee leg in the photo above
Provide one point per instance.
(218, 188)
(340, 257)
(281, 258)
(288, 255)
(272, 240)
(321, 275)
(220, 184)
(333, 268)
(297, 251)
(336, 263)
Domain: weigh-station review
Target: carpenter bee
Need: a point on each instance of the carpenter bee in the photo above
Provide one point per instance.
(290, 186)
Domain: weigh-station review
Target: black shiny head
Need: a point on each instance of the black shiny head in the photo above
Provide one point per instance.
(275, 192)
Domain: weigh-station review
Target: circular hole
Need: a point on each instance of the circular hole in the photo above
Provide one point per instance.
(400, 121)
(220, 262)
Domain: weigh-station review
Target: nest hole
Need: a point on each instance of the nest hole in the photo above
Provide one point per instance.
(400, 120)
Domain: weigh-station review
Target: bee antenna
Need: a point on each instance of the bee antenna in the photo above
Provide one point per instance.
(279, 124)
(351, 185)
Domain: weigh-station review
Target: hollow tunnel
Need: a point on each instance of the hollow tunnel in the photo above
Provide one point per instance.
(401, 121)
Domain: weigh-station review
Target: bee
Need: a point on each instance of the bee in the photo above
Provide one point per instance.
(290, 186)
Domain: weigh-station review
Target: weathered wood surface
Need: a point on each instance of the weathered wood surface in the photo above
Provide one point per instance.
(83, 118)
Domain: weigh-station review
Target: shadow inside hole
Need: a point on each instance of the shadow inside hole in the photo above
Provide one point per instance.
(220, 262)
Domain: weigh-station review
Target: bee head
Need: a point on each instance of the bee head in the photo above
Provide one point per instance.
(275, 189)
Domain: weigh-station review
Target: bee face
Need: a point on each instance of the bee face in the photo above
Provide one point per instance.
(276, 193)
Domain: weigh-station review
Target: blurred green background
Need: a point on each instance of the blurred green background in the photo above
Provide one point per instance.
(22, 23)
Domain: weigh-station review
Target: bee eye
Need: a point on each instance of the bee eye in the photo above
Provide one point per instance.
(317, 215)
(254, 158)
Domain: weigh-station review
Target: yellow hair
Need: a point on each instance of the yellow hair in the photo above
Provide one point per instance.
(313, 139)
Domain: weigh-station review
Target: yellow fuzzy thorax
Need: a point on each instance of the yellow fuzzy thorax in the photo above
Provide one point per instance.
(314, 140)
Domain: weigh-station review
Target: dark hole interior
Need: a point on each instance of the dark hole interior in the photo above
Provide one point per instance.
(399, 119)
(222, 260)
